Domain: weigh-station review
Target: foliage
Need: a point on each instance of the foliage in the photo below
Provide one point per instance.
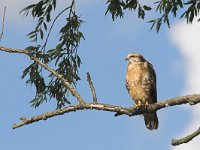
(164, 7)
(64, 56)
(116, 7)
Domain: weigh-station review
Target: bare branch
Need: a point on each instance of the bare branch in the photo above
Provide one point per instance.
(92, 88)
(132, 111)
(185, 139)
(3, 22)
(73, 108)
(59, 76)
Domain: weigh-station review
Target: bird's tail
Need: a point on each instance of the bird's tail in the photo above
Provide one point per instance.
(151, 120)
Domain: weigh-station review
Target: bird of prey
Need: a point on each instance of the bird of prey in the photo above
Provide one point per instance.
(141, 85)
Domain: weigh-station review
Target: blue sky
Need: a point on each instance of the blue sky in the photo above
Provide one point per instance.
(103, 52)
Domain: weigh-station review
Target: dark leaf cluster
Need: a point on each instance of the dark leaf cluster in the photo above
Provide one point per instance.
(42, 11)
(165, 7)
(192, 11)
(117, 8)
(34, 75)
(64, 57)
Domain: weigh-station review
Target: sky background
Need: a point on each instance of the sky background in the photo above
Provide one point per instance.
(174, 54)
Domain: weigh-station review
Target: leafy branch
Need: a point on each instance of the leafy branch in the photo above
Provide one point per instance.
(64, 57)
(117, 7)
(64, 81)
(165, 8)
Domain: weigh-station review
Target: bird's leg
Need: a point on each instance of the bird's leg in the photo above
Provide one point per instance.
(138, 104)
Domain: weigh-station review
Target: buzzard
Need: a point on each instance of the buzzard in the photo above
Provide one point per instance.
(141, 85)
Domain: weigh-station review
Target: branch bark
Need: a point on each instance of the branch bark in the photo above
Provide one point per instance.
(92, 88)
(185, 139)
(132, 111)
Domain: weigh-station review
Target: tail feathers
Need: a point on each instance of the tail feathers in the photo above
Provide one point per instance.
(151, 121)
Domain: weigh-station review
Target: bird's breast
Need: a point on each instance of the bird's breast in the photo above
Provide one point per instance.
(134, 77)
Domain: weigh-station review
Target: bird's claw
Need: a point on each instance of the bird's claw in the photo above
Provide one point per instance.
(140, 105)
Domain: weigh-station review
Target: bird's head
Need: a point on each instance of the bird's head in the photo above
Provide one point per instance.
(135, 57)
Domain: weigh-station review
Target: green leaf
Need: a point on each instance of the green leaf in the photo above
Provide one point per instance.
(26, 71)
(41, 34)
(26, 9)
(49, 8)
(191, 16)
(147, 7)
(141, 13)
(54, 4)
(45, 26)
(166, 20)
(40, 21)
(37, 11)
(153, 23)
(158, 24)
(180, 3)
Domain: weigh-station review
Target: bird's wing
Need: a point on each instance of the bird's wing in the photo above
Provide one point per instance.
(149, 83)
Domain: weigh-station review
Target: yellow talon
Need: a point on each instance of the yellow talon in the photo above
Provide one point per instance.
(138, 105)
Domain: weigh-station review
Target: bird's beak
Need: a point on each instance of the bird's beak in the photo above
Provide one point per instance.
(126, 58)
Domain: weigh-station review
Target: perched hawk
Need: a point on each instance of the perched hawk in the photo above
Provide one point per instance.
(141, 85)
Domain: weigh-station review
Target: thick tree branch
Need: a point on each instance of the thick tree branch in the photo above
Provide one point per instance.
(132, 111)
(59, 76)
(186, 139)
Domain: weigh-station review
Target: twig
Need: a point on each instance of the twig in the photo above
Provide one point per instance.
(43, 47)
(185, 139)
(72, 9)
(132, 111)
(92, 88)
(59, 76)
(3, 22)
